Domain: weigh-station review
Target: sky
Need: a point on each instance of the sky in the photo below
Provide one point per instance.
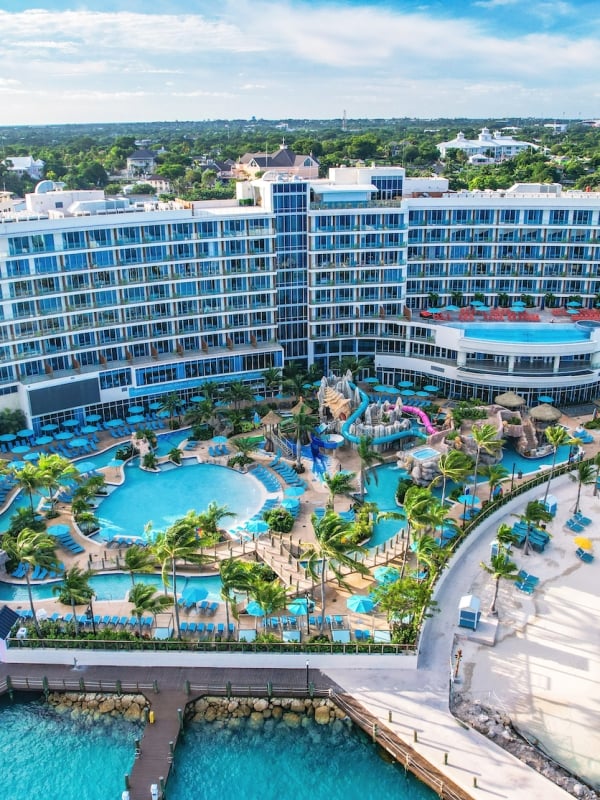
(78, 61)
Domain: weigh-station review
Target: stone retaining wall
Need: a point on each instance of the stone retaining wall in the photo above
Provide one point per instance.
(98, 705)
(293, 713)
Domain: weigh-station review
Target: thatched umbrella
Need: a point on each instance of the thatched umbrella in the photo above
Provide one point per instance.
(301, 407)
(545, 413)
(509, 400)
(272, 419)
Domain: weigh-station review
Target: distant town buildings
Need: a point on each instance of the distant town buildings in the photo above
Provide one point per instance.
(141, 163)
(284, 162)
(25, 165)
(488, 148)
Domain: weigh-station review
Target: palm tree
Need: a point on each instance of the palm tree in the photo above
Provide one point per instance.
(139, 560)
(368, 457)
(86, 521)
(495, 473)
(356, 365)
(584, 475)
(29, 478)
(501, 568)
(416, 505)
(75, 590)
(35, 549)
(172, 404)
(272, 378)
(179, 542)
(596, 463)
(556, 436)
(55, 471)
(207, 522)
(341, 483)
(535, 512)
(234, 577)
(453, 466)
(303, 423)
(270, 595)
(144, 599)
(199, 413)
(245, 445)
(486, 440)
(331, 550)
(237, 393)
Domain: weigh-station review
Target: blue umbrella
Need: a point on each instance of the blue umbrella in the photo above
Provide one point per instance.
(197, 398)
(64, 436)
(80, 442)
(70, 423)
(93, 418)
(42, 440)
(452, 307)
(114, 423)
(405, 384)
(407, 393)
(386, 574)
(294, 491)
(85, 466)
(135, 409)
(7, 437)
(430, 388)
(163, 414)
(422, 394)
(545, 398)
(360, 604)
(254, 609)
(115, 462)
(436, 310)
(256, 419)
(15, 464)
(193, 594)
(135, 419)
(89, 429)
(298, 606)
(469, 499)
(220, 439)
(573, 304)
(25, 433)
(19, 449)
(58, 530)
(291, 503)
(366, 380)
(257, 526)
(258, 398)
(155, 406)
(31, 456)
(49, 427)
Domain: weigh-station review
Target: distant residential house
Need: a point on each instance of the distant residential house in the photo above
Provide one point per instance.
(141, 163)
(284, 161)
(25, 165)
(494, 146)
(159, 184)
(225, 169)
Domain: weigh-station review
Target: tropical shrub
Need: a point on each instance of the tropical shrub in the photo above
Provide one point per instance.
(279, 520)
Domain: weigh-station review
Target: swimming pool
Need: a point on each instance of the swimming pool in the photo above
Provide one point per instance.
(163, 497)
(425, 453)
(112, 586)
(531, 333)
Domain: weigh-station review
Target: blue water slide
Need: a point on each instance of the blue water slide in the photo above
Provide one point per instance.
(392, 437)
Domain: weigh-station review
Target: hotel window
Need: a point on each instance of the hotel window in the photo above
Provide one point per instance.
(581, 217)
(509, 216)
(532, 216)
(559, 217)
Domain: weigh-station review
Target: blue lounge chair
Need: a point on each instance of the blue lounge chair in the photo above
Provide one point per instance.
(574, 525)
(210, 629)
(231, 628)
(581, 519)
(358, 635)
(183, 627)
(54, 617)
(202, 607)
(192, 627)
(213, 608)
(123, 621)
(523, 586)
(584, 556)
(68, 617)
(200, 628)
(221, 629)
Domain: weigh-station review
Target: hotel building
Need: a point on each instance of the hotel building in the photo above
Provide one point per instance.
(104, 302)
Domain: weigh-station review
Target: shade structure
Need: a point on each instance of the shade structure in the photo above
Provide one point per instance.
(509, 400)
(16, 464)
(163, 414)
(220, 439)
(19, 449)
(89, 429)
(407, 393)
(294, 491)
(254, 609)
(258, 398)
(371, 379)
(469, 499)
(197, 398)
(114, 423)
(7, 437)
(83, 467)
(63, 436)
(291, 503)
(58, 530)
(135, 419)
(583, 542)
(386, 574)
(452, 307)
(70, 423)
(49, 427)
(257, 526)
(42, 440)
(31, 456)
(405, 384)
(391, 390)
(135, 410)
(545, 398)
(25, 433)
(431, 388)
(572, 311)
(360, 604)
(256, 418)
(115, 462)
(545, 413)
(573, 304)
(93, 418)
(193, 594)
(272, 419)
(517, 308)
(79, 442)
(298, 606)
(421, 393)
(155, 406)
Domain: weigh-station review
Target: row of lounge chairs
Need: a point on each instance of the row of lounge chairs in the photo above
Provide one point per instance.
(538, 538)
(39, 573)
(269, 481)
(585, 437)
(66, 540)
(526, 582)
(206, 631)
(288, 474)
(578, 522)
(217, 450)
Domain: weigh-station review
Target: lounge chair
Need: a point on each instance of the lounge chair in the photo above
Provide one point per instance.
(105, 619)
(200, 629)
(584, 555)
(68, 617)
(523, 586)
(123, 621)
(574, 525)
(358, 635)
(213, 608)
(581, 519)
(221, 629)
(210, 629)
(54, 617)
(202, 607)
(231, 628)
(192, 627)
(183, 627)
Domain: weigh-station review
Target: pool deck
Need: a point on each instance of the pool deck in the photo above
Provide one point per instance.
(554, 672)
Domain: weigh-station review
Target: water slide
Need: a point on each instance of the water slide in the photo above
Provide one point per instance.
(392, 437)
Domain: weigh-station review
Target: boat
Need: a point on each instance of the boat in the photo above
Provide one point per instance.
(538, 452)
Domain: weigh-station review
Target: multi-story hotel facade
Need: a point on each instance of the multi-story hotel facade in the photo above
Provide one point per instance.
(104, 303)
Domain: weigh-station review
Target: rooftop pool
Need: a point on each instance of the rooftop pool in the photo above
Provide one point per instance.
(529, 332)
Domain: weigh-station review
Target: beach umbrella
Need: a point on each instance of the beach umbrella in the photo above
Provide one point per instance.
(366, 380)
(135, 419)
(255, 610)
(58, 530)
(20, 449)
(360, 604)
(386, 574)
(256, 419)
(545, 398)
(7, 437)
(291, 503)
(405, 384)
(469, 499)
(114, 423)
(294, 491)
(197, 398)
(15, 464)
(380, 388)
(93, 418)
(25, 433)
(407, 393)
(84, 467)
(163, 414)
(220, 439)
(422, 394)
(572, 311)
(79, 442)
(517, 309)
(258, 398)
(42, 440)
(435, 310)
(155, 405)
(115, 462)
(257, 526)
(545, 413)
(431, 388)
(89, 429)
(509, 400)
(49, 427)
(135, 410)
(452, 307)
(63, 436)
(31, 456)
(573, 304)
(193, 594)
(70, 423)
(298, 606)
(583, 542)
